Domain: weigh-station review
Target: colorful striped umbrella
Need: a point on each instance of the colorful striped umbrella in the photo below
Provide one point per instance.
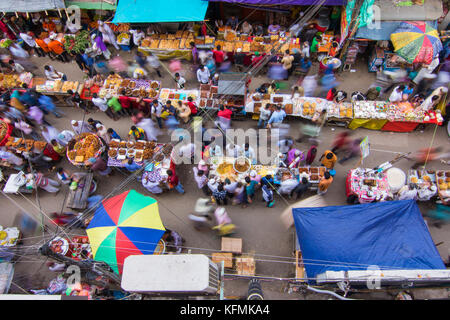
(124, 225)
(416, 42)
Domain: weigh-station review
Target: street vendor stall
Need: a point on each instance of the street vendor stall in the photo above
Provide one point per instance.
(59, 88)
(232, 89)
(367, 185)
(170, 46)
(443, 186)
(20, 145)
(175, 95)
(83, 147)
(136, 88)
(236, 169)
(140, 151)
(15, 81)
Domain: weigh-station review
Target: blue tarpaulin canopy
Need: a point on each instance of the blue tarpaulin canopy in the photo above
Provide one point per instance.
(144, 11)
(391, 235)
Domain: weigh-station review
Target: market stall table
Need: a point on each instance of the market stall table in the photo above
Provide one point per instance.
(77, 199)
(140, 151)
(367, 185)
(325, 44)
(59, 88)
(443, 185)
(83, 147)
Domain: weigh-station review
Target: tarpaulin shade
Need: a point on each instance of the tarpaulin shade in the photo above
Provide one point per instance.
(30, 5)
(284, 2)
(391, 235)
(144, 11)
(383, 31)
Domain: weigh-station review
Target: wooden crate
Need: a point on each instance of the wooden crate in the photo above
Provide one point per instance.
(232, 245)
(245, 266)
(299, 267)
(226, 257)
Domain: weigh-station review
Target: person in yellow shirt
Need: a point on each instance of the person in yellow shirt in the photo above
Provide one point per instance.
(328, 159)
(59, 149)
(324, 183)
(137, 133)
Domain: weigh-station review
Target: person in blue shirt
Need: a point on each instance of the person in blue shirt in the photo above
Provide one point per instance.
(113, 134)
(46, 103)
(305, 65)
(277, 116)
(28, 97)
(409, 89)
(131, 166)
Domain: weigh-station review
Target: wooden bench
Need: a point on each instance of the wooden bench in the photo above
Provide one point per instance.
(77, 199)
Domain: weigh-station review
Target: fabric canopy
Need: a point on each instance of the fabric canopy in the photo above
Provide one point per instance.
(144, 11)
(391, 235)
(93, 4)
(30, 5)
(384, 31)
(284, 2)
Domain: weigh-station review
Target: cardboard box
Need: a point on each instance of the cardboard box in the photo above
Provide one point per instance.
(232, 245)
(226, 257)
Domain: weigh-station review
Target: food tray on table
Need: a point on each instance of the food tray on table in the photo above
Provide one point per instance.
(140, 151)
(370, 109)
(419, 177)
(443, 183)
(340, 110)
(84, 147)
(175, 95)
(308, 107)
(59, 245)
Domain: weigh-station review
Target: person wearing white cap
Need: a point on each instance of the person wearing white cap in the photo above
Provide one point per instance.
(65, 136)
(254, 176)
(101, 132)
(80, 126)
(108, 34)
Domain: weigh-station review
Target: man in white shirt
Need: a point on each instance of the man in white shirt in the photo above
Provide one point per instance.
(264, 116)
(285, 145)
(80, 126)
(187, 152)
(287, 186)
(138, 35)
(16, 66)
(153, 62)
(232, 150)
(203, 74)
(249, 153)
(180, 81)
(230, 187)
(157, 108)
(100, 103)
(52, 74)
(397, 94)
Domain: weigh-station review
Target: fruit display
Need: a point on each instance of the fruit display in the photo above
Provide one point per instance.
(10, 81)
(78, 43)
(84, 147)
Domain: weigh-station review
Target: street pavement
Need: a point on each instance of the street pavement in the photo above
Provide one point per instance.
(263, 234)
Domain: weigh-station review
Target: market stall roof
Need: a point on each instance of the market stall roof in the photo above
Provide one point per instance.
(139, 11)
(284, 2)
(30, 5)
(93, 4)
(384, 31)
(430, 10)
(391, 235)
